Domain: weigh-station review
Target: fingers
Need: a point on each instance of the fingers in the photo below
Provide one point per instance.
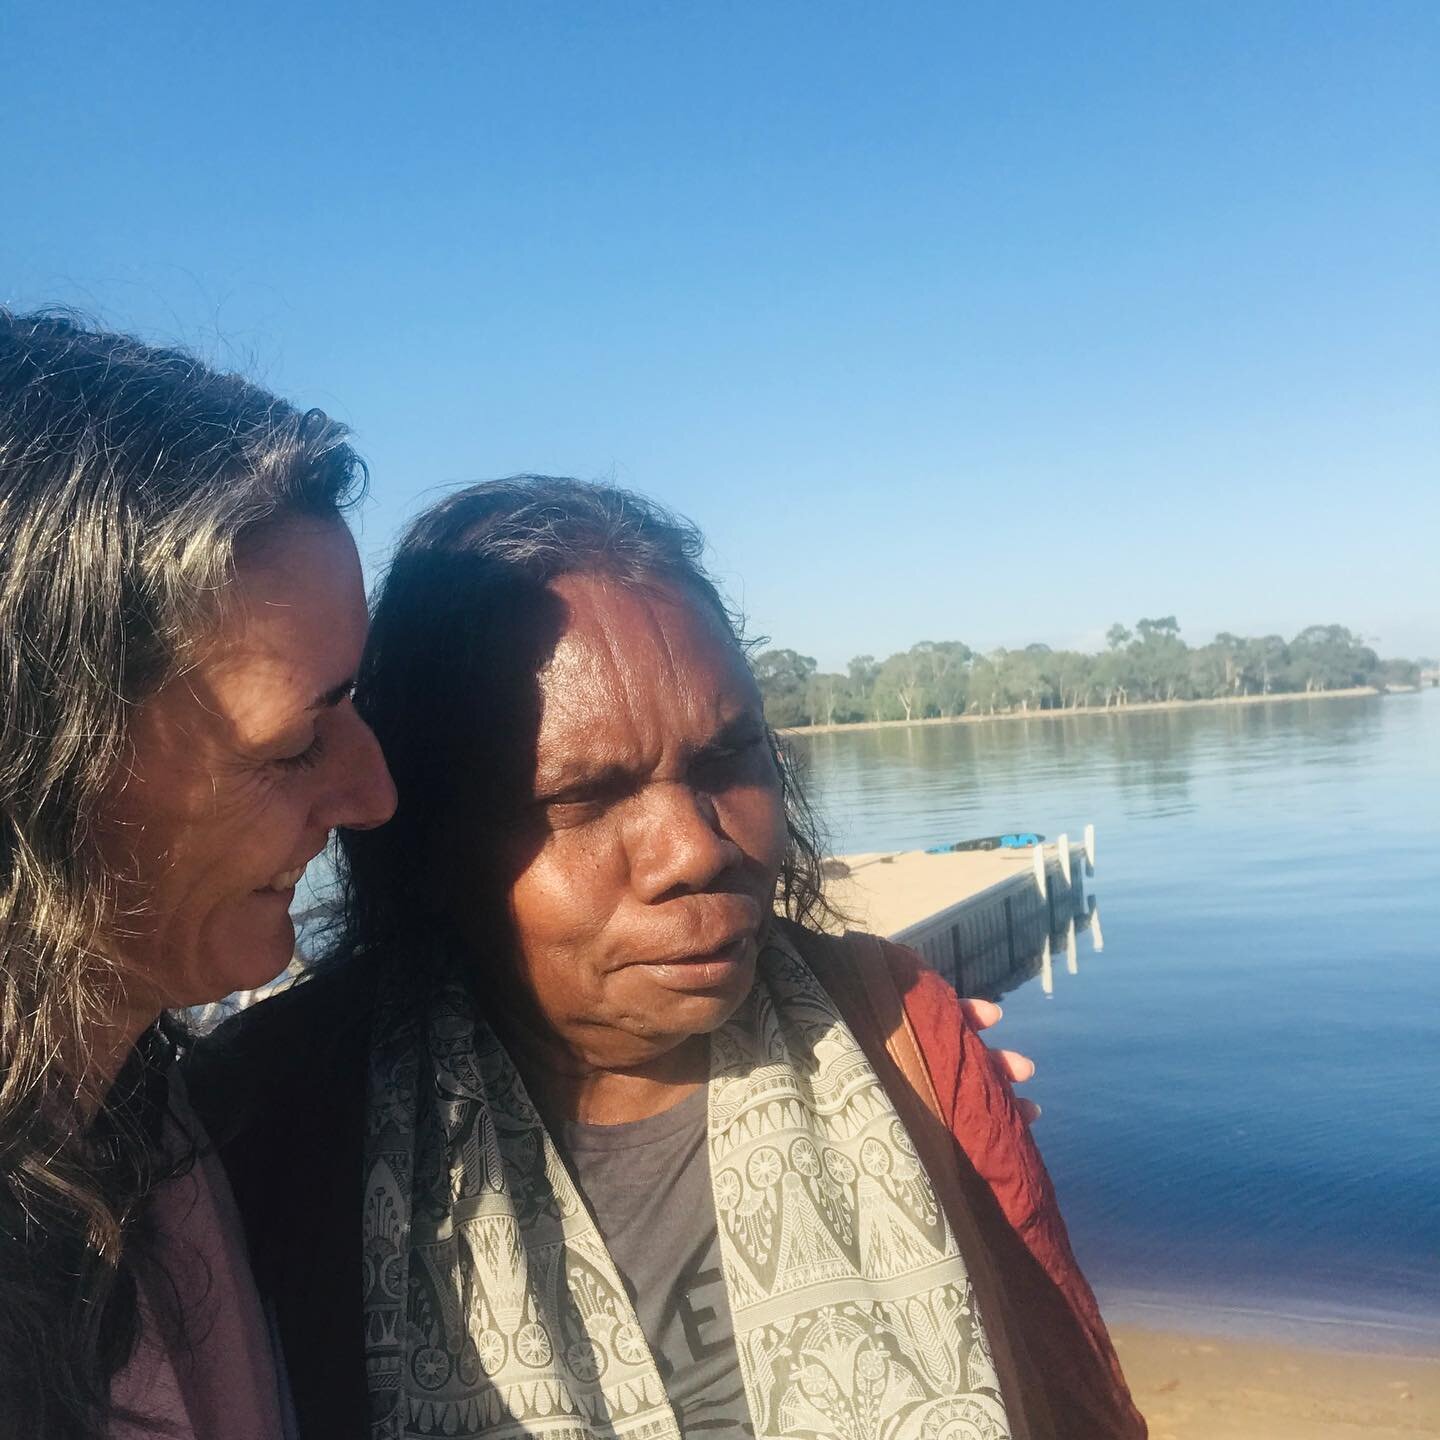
(1017, 1066)
(981, 1014)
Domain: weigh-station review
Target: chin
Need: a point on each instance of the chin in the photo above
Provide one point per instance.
(245, 967)
(701, 1013)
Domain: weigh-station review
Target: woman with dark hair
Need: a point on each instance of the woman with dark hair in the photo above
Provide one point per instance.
(620, 1140)
(181, 614)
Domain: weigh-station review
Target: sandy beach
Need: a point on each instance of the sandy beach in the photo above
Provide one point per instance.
(1192, 1387)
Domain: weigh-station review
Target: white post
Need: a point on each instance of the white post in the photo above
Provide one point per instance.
(1047, 972)
(1040, 870)
(1063, 845)
(1097, 936)
(1072, 960)
(1090, 846)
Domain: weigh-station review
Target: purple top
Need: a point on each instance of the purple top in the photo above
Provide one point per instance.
(225, 1384)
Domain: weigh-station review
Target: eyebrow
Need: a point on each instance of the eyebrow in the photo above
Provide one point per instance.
(576, 777)
(333, 696)
(741, 728)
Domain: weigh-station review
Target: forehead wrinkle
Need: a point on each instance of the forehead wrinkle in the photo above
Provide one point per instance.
(619, 670)
(581, 697)
(641, 693)
(732, 667)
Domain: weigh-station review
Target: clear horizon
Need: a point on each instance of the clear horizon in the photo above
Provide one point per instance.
(997, 324)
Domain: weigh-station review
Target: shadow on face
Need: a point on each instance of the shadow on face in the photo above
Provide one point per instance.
(450, 686)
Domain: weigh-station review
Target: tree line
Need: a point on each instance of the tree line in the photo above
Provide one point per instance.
(946, 678)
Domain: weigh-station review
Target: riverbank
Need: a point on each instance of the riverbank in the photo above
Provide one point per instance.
(1141, 707)
(1192, 1387)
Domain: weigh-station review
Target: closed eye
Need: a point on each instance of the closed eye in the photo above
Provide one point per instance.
(729, 752)
(305, 759)
(599, 790)
(324, 705)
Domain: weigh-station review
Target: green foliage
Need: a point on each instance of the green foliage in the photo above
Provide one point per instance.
(1401, 672)
(784, 680)
(1147, 663)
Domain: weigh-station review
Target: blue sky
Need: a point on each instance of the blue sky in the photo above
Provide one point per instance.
(986, 321)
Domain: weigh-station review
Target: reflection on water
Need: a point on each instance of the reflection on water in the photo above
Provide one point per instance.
(1041, 965)
(1011, 935)
(896, 789)
(1241, 1101)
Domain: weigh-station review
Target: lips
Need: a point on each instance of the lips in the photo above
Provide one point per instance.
(714, 970)
(701, 929)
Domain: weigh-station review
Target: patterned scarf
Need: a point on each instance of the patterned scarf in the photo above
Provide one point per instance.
(492, 1307)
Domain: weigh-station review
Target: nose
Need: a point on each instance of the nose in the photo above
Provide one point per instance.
(362, 795)
(677, 844)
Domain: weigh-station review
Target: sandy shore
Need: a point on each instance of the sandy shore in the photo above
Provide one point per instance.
(1200, 1388)
(1140, 707)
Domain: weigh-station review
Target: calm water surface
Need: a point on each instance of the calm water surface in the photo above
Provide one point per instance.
(1242, 1092)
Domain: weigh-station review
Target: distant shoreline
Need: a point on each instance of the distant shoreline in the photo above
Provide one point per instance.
(1140, 707)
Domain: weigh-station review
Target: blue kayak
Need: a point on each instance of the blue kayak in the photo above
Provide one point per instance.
(1020, 840)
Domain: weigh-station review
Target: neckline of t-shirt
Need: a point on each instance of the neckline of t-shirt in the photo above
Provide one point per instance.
(630, 1134)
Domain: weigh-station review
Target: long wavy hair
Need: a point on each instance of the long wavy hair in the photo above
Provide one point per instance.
(127, 475)
(460, 627)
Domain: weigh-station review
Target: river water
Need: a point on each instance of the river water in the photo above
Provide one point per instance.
(1242, 1092)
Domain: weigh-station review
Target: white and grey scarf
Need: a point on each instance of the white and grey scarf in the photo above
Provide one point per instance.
(492, 1307)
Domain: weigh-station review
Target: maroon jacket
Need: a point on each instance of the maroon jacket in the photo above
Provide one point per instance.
(1061, 1359)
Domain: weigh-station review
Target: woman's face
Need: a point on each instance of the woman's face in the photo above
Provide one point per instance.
(240, 769)
(654, 838)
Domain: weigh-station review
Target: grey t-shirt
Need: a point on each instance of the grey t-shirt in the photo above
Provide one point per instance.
(648, 1186)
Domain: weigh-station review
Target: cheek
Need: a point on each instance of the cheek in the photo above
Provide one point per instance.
(754, 818)
(560, 906)
(222, 857)
(187, 881)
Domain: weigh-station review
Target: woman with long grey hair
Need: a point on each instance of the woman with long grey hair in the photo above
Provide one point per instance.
(181, 612)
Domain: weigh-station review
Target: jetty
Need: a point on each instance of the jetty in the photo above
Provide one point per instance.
(986, 920)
